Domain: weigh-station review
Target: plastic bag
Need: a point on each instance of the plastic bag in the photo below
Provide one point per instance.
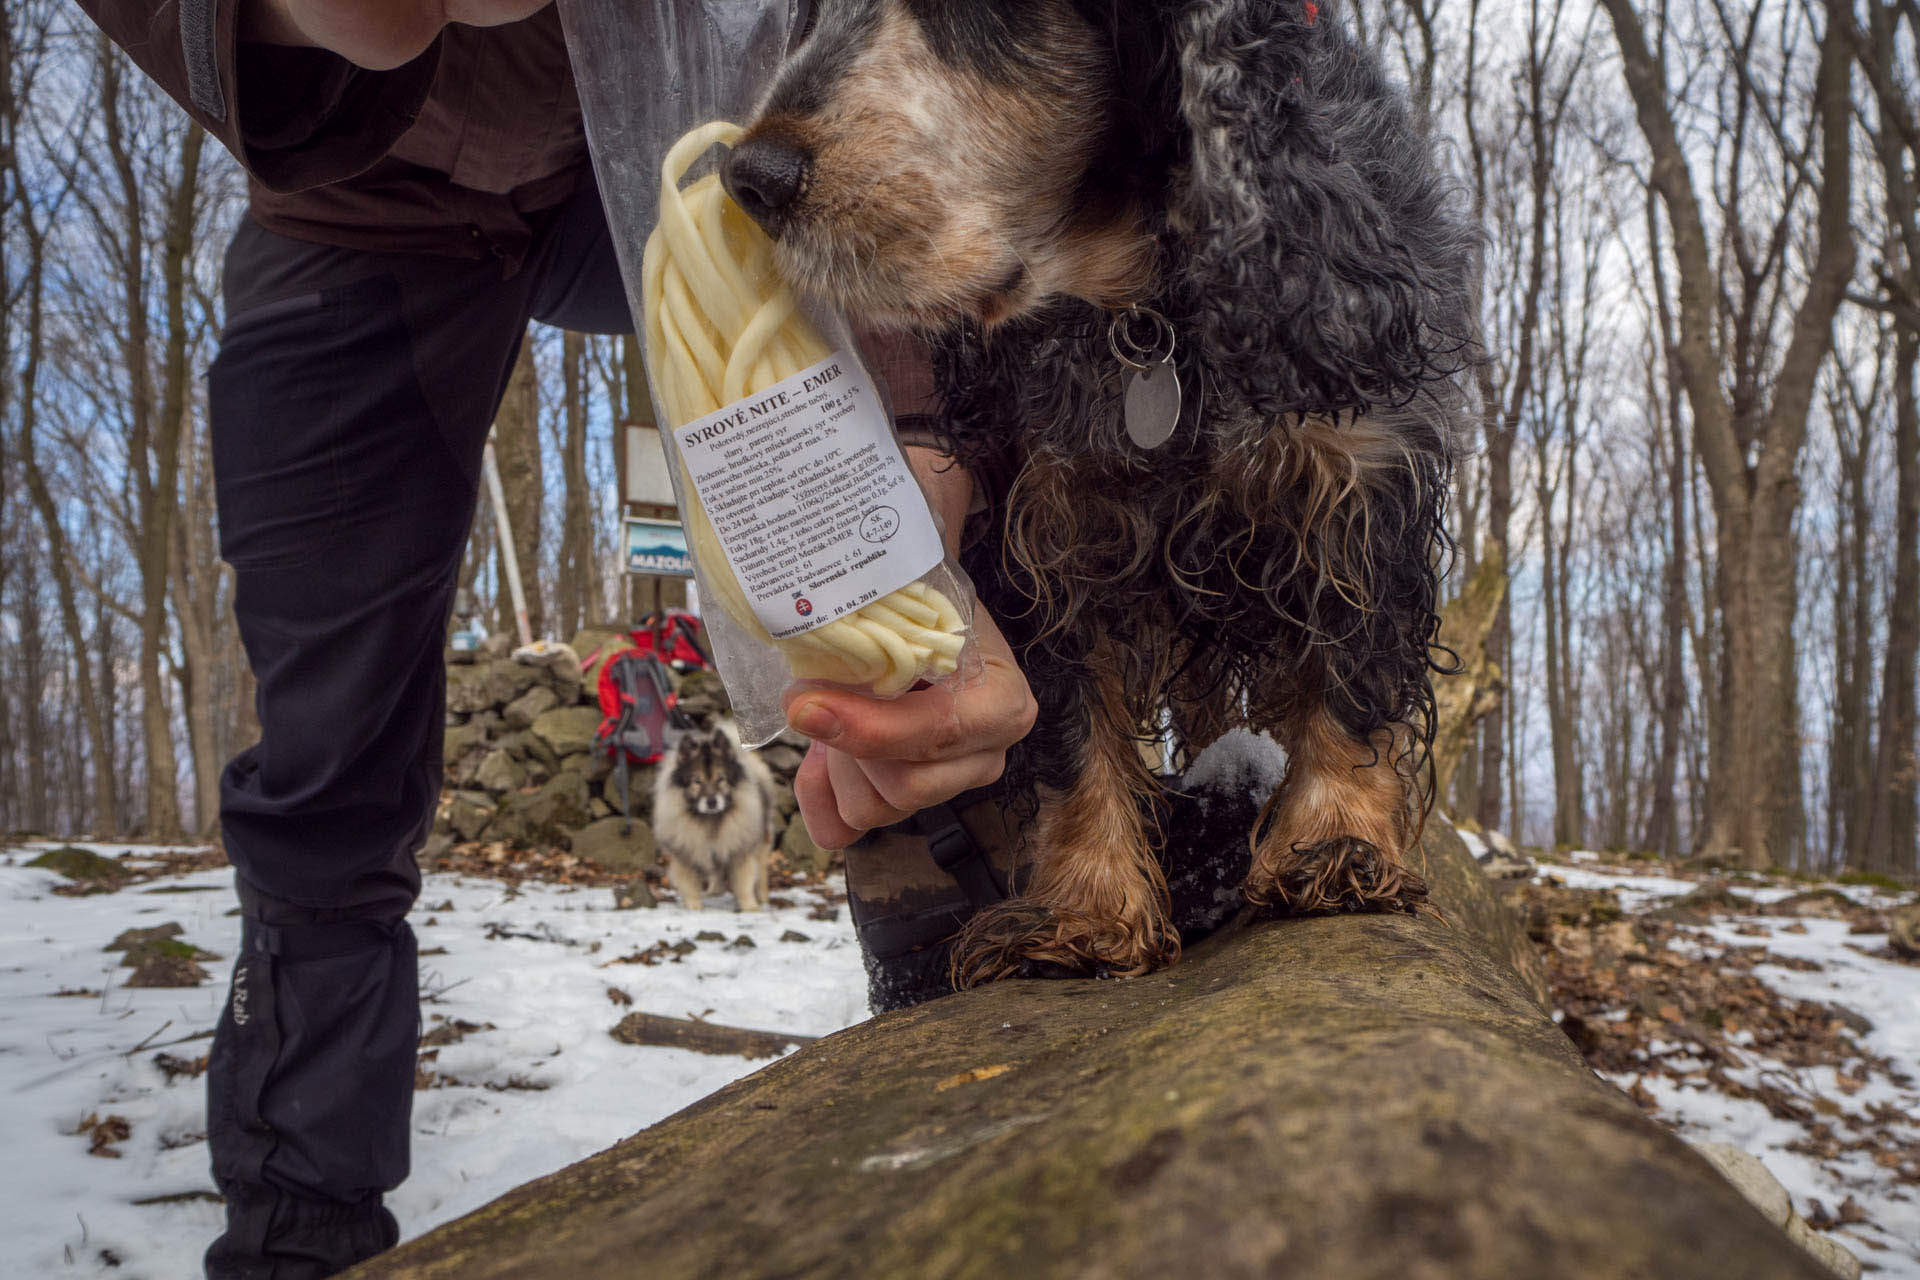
(817, 555)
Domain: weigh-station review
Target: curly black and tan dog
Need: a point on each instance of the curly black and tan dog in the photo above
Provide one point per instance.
(1203, 303)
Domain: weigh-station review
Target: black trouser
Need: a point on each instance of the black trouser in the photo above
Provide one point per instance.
(349, 404)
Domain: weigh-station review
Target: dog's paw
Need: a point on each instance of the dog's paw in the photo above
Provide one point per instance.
(1332, 877)
(1022, 939)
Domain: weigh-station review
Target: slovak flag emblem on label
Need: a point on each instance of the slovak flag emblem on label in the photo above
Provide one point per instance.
(803, 606)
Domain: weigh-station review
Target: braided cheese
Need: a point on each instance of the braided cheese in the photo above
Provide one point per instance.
(722, 325)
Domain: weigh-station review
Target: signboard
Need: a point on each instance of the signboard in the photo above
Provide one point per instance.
(658, 548)
(644, 467)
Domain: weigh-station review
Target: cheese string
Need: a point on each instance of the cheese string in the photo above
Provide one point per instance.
(721, 326)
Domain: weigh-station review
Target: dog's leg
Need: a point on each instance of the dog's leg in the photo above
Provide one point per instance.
(1341, 825)
(748, 876)
(1097, 901)
(686, 882)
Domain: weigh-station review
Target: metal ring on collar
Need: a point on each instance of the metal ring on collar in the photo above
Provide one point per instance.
(1145, 355)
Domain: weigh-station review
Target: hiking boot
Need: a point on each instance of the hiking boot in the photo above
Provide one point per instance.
(911, 886)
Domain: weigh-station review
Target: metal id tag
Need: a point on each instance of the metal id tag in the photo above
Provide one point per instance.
(1152, 404)
(1151, 409)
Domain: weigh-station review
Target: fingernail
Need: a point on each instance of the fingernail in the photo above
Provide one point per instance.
(816, 722)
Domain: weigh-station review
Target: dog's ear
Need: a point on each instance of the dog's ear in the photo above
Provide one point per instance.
(1314, 232)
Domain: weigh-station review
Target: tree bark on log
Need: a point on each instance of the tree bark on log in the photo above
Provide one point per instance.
(1354, 1097)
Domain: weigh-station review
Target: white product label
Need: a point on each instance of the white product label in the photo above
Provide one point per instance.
(812, 500)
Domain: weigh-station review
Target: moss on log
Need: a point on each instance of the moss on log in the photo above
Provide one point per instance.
(1353, 1097)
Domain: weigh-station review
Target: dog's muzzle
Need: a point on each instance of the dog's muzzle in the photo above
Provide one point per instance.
(765, 176)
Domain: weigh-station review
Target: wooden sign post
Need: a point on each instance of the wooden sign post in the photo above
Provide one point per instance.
(653, 545)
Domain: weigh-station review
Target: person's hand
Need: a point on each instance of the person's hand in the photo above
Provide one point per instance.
(875, 762)
(376, 34)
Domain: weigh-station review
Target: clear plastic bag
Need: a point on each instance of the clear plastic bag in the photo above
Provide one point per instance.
(817, 555)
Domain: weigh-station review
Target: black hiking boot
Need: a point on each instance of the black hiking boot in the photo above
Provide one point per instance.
(911, 886)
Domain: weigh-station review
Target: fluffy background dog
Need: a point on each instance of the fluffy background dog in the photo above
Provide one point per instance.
(1013, 176)
(713, 818)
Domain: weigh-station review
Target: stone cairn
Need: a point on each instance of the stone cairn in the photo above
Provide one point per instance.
(522, 773)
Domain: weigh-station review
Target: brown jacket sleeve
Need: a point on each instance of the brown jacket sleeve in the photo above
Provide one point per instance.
(294, 118)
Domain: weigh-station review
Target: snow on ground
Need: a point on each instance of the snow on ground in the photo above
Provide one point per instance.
(1886, 994)
(543, 1086)
(1636, 892)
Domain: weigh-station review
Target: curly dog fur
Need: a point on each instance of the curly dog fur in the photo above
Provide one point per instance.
(1006, 175)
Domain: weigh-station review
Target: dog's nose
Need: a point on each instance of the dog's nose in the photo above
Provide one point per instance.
(764, 177)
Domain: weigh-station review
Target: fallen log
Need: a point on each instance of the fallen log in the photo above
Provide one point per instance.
(704, 1037)
(1353, 1097)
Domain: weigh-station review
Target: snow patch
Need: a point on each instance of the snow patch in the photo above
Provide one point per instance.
(540, 1087)
(1240, 760)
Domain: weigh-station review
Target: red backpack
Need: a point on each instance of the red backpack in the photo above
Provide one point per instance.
(637, 715)
(673, 636)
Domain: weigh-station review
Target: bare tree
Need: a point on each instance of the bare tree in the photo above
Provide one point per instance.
(1750, 411)
(1889, 837)
(577, 580)
(1668, 453)
(1505, 385)
(1850, 413)
(156, 414)
(28, 206)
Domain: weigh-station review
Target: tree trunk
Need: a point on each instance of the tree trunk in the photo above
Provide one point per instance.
(1571, 793)
(516, 435)
(1663, 823)
(1893, 827)
(10, 111)
(110, 759)
(32, 640)
(1889, 846)
(102, 821)
(578, 580)
(1355, 1097)
(1559, 731)
(633, 381)
(193, 615)
(1850, 741)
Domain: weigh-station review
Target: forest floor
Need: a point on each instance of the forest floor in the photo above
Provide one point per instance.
(1766, 1013)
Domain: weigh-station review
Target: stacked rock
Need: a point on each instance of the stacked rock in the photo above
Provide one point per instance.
(522, 771)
